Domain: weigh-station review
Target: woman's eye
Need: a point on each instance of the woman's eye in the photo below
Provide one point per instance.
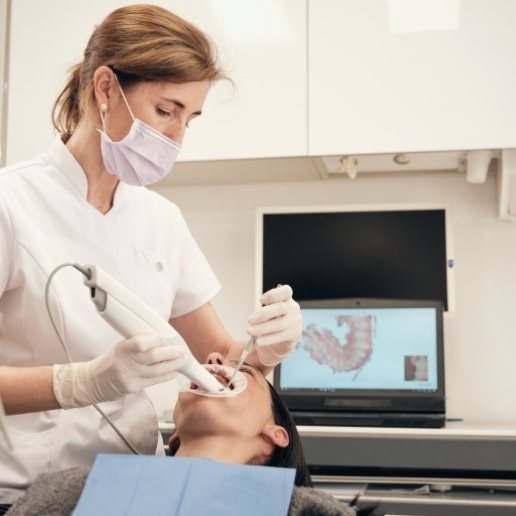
(246, 369)
(163, 113)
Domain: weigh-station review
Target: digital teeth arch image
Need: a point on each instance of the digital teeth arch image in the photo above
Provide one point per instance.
(352, 353)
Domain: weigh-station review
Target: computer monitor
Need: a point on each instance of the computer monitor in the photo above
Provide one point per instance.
(367, 362)
(400, 251)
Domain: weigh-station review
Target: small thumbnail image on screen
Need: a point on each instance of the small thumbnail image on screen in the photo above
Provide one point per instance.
(416, 368)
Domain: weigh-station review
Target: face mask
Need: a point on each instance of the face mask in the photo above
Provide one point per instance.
(142, 157)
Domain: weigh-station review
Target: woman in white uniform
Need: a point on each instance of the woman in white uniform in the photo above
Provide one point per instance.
(122, 117)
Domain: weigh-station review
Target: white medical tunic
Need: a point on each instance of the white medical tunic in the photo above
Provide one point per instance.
(143, 241)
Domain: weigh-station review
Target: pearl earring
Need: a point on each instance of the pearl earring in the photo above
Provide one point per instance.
(103, 107)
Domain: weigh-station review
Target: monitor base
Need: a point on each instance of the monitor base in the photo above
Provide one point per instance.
(377, 419)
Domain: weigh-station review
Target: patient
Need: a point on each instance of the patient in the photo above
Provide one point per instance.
(254, 427)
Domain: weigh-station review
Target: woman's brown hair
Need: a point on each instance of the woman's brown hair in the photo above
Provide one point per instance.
(140, 43)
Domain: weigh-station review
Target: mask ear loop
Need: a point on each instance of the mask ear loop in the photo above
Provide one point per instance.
(123, 96)
(103, 114)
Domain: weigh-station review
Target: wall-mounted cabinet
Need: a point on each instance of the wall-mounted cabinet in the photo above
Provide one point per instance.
(311, 78)
(262, 47)
(398, 75)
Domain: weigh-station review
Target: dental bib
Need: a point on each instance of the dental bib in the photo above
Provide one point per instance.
(128, 485)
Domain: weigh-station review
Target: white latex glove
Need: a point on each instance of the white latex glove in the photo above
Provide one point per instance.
(277, 325)
(130, 366)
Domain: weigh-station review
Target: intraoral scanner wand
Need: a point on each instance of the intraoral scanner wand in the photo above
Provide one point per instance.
(130, 316)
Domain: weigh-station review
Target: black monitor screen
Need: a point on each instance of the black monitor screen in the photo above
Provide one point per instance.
(394, 254)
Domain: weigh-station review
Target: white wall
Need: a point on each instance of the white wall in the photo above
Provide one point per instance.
(4, 45)
(480, 341)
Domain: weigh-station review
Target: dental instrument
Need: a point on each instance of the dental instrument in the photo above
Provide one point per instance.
(249, 346)
(3, 426)
(236, 382)
(130, 316)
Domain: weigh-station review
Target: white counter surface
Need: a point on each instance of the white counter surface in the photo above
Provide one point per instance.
(460, 430)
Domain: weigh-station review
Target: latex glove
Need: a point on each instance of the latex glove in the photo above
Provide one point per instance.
(277, 325)
(130, 366)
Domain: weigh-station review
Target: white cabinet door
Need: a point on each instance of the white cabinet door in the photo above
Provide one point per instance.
(407, 75)
(262, 46)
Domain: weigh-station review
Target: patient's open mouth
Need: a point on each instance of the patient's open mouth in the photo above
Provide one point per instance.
(223, 374)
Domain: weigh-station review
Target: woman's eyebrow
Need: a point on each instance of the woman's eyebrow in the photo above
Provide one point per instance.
(179, 104)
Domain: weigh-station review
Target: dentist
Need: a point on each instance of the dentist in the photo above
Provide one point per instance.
(121, 118)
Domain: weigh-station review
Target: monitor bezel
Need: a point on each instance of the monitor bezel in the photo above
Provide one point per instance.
(369, 400)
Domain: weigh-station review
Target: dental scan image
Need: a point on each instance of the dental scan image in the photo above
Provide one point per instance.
(364, 348)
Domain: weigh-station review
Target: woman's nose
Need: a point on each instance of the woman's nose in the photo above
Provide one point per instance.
(177, 133)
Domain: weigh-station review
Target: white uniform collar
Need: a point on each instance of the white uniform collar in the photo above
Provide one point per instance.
(69, 167)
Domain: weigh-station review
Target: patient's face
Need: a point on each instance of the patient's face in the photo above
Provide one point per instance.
(243, 415)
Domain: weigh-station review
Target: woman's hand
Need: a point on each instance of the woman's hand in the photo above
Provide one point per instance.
(277, 325)
(129, 367)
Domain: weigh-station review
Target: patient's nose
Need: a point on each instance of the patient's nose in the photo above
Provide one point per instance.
(215, 358)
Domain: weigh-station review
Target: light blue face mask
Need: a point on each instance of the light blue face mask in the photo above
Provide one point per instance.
(143, 157)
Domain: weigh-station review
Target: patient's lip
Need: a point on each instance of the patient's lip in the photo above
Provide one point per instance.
(221, 376)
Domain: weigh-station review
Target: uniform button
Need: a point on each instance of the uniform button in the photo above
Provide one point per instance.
(159, 266)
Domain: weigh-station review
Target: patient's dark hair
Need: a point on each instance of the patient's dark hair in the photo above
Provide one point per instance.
(291, 456)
